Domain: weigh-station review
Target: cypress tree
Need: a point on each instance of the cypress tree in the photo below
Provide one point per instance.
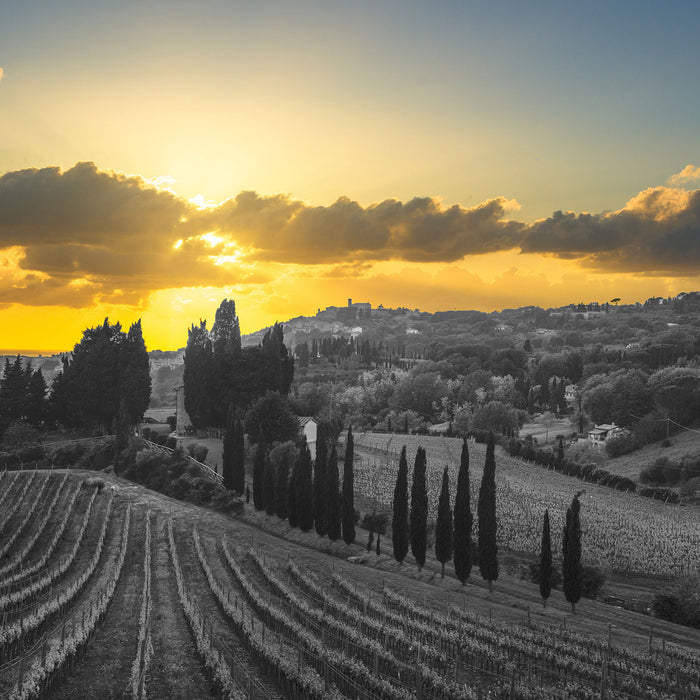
(560, 451)
(238, 457)
(303, 487)
(348, 519)
(399, 522)
(229, 456)
(320, 470)
(333, 520)
(572, 553)
(463, 519)
(269, 487)
(134, 375)
(292, 496)
(443, 526)
(259, 475)
(488, 550)
(198, 376)
(419, 510)
(545, 561)
(281, 488)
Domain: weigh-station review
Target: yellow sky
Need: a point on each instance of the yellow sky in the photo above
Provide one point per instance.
(490, 282)
(380, 151)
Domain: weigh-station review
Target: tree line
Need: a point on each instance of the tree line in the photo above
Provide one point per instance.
(104, 385)
(306, 492)
(219, 372)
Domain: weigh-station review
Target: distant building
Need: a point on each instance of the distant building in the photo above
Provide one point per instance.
(570, 394)
(359, 305)
(309, 427)
(599, 435)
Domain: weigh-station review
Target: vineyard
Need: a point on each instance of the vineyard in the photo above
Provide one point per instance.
(621, 531)
(109, 590)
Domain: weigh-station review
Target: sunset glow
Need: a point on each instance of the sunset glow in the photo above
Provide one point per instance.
(159, 157)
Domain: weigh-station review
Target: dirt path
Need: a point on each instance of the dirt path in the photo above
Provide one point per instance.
(175, 671)
(211, 610)
(105, 668)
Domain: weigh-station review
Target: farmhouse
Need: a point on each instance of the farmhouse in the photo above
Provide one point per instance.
(598, 435)
(309, 427)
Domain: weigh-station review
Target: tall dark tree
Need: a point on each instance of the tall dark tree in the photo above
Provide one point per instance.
(545, 561)
(488, 550)
(229, 450)
(280, 360)
(259, 475)
(320, 471)
(443, 525)
(238, 472)
(292, 515)
(419, 510)
(463, 519)
(135, 375)
(304, 489)
(571, 547)
(14, 387)
(36, 399)
(399, 521)
(271, 415)
(95, 370)
(348, 517)
(333, 520)
(269, 487)
(281, 489)
(560, 451)
(226, 362)
(198, 376)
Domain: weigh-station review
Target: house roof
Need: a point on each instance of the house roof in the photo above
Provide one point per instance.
(303, 420)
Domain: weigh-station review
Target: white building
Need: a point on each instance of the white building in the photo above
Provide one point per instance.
(599, 435)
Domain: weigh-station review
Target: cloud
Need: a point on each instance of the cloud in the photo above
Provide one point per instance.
(2, 72)
(420, 230)
(689, 175)
(658, 231)
(123, 237)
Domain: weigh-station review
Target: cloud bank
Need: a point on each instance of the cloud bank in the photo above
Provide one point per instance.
(82, 235)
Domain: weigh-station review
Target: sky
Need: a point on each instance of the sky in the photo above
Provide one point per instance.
(159, 157)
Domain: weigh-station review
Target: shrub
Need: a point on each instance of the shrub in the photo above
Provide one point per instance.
(68, 455)
(626, 484)
(654, 474)
(622, 445)
(592, 580)
(680, 604)
(665, 443)
(198, 451)
(172, 422)
(93, 483)
(531, 572)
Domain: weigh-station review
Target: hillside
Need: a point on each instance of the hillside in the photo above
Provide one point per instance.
(237, 609)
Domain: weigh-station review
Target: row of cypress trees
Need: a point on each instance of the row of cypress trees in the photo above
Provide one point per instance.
(307, 493)
(453, 529)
